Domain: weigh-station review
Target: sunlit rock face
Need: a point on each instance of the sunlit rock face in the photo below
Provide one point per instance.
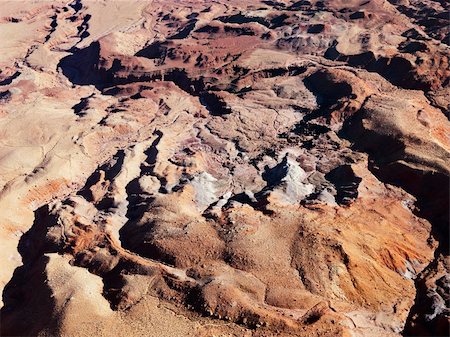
(228, 168)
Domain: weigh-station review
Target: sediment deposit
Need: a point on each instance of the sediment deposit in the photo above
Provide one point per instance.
(224, 168)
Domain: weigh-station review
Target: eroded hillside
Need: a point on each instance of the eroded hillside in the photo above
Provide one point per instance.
(225, 168)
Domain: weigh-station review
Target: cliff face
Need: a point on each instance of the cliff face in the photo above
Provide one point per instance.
(258, 168)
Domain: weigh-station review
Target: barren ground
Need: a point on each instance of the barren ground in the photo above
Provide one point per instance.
(224, 168)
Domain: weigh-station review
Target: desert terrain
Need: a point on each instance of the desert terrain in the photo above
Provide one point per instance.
(224, 168)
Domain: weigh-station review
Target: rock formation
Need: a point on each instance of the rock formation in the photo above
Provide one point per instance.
(225, 168)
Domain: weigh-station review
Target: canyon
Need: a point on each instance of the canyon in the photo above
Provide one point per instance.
(225, 168)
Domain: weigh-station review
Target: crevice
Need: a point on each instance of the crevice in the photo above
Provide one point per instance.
(397, 70)
(53, 26)
(11, 78)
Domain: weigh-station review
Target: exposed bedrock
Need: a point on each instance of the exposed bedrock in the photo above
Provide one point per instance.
(228, 168)
(418, 165)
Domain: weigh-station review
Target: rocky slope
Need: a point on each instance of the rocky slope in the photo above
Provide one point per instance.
(225, 168)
